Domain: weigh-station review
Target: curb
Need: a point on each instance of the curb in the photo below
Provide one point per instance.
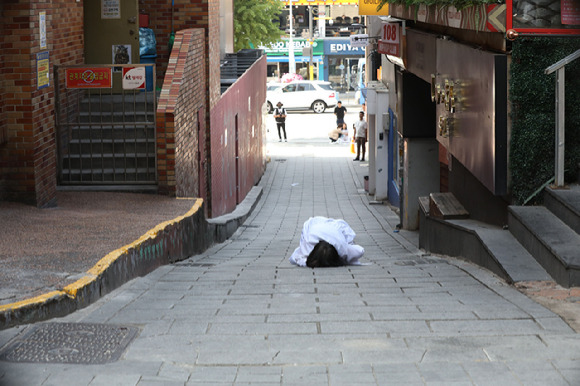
(170, 241)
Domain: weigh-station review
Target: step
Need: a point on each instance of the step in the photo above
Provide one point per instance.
(135, 175)
(108, 103)
(113, 131)
(565, 204)
(446, 206)
(117, 117)
(518, 263)
(103, 146)
(118, 161)
(552, 243)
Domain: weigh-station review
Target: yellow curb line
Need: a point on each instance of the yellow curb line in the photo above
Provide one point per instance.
(101, 266)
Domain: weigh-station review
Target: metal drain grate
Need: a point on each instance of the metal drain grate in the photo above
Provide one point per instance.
(193, 264)
(419, 261)
(77, 343)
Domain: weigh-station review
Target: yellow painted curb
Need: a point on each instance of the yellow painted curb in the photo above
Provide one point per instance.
(28, 302)
(101, 266)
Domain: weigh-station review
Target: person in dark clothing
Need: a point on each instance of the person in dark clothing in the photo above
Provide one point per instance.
(339, 111)
(280, 116)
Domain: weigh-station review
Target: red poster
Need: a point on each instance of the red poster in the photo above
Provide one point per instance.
(570, 10)
(89, 77)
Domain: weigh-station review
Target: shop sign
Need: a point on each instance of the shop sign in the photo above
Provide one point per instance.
(89, 77)
(282, 47)
(389, 42)
(360, 40)
(369, 7)
(133, 78)
(570, 12)
(321, 2)
(341, 47)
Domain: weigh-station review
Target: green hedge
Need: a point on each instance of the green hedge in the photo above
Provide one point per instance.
(532, 95)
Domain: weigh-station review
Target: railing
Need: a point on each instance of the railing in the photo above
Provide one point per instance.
(559, 68)
(105, 118)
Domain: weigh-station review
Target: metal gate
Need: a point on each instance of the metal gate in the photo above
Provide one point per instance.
(105, 134)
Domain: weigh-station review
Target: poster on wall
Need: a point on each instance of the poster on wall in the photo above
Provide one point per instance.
(42, 70)
(134, 78)
(110, 9)
(88, 77)
(570, 12)
(42, 28)
(121, 55)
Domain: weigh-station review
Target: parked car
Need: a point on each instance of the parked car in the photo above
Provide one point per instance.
(303, 95)
(273, 86)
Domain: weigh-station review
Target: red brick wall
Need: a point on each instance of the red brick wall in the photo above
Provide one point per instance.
(243, 99)
(189, 14)
(28, 150)
(181, 118)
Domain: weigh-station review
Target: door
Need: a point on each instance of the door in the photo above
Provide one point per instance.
(111, 33)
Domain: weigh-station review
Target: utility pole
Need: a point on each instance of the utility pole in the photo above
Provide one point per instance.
(291, 61)
(310, 26)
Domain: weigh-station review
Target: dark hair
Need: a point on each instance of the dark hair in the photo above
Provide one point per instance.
(324, 255)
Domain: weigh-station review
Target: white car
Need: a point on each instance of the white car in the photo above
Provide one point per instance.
(303, 95)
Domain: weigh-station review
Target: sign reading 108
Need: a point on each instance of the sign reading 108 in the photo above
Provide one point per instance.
(389, 33)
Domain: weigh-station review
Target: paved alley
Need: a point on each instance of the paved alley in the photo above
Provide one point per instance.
(240, 314)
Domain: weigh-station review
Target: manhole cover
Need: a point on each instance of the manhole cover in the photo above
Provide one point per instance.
(79, 343)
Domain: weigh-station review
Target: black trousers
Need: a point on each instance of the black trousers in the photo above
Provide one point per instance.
(281, 125)
(361, 143)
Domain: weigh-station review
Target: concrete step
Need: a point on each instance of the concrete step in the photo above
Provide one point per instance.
(108, 161)
(498, 247)
(113, 131)
(112, 146)
(552, 243)
(127, 175)
(486, 245)
(118, 102)
(565, 204)
(117, 117)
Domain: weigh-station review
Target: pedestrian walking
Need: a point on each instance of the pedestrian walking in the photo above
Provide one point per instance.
(339, 111)
(280, 116)
(360, 135)
(326, 242)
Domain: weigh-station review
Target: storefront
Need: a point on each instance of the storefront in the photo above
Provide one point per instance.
(341, 63)
(278, 59)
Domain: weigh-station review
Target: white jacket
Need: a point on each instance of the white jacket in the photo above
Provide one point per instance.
(335, 232)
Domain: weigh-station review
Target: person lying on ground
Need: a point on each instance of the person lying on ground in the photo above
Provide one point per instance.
(326, 242)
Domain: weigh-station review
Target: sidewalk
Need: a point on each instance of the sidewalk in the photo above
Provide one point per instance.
(240, 314)
(47, 249)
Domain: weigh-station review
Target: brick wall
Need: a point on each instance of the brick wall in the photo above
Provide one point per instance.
(241, 106)
(181, 118)
(27, 142)
(189, 14)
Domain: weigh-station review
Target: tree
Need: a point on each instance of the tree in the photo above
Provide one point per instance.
(253, 23)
